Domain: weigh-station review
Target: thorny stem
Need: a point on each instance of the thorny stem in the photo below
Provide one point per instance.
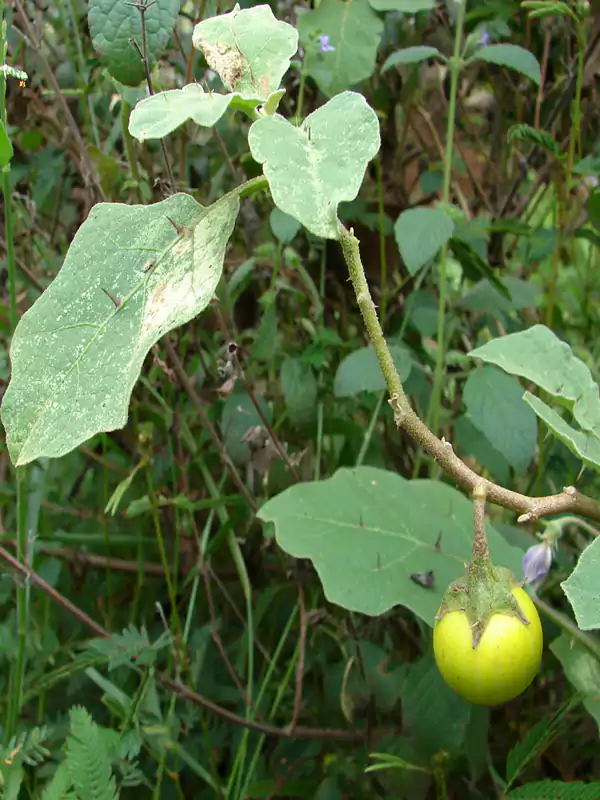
(529, 508)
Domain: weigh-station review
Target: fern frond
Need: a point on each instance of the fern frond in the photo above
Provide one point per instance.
(59, 788)
(556, 790)
(543, 139)
(28, 747)
(131, 645)
(87, 760)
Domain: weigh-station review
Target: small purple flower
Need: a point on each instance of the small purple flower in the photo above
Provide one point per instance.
(484, 39)
(536, 562)
(325, 46)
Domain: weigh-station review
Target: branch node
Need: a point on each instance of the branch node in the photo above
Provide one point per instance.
(570, 490)
(528, 516)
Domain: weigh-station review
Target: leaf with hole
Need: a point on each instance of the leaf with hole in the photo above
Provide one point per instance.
(312, 168)
(128, 278)
(248, 48)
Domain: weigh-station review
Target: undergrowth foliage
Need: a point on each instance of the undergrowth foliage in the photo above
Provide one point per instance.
(293, 292)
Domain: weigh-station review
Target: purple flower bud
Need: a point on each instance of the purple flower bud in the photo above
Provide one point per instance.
(485, 39)
(536, 562)
(325, 46)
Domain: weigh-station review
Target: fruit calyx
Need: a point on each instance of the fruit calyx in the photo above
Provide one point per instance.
(484, 590)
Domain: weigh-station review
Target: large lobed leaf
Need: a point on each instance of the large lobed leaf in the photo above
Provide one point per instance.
(311, 169)
(75, 355)
(366, 530)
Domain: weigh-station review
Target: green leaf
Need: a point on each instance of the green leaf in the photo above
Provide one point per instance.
(312, 168)
(87, 759)
(469, 439)
(582, 670)
(584, 445)
(113, 26)
(435, 717)
(386, 528)
(131, 645)
(593, 208)
(283, 227)
(537, 740)
(404, 6)
(513, 56)
(6, 148)
(409, 55)
(477, 749)
(590, 165)
(582, 588)
(485, 298)
(420, 233)
(248, 48)
(30, 746)
(474, 266)
(539, 356)
(75, 355)
(360, 371)
(495, 404)
(158, 115)
(59, 788)
(354, 29)
(539, 138)
(556, 790)
(299, 389)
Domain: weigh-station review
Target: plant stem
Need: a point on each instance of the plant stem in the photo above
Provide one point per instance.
(128, 144)
(480, 545)
(567, 501)
(455, 69)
